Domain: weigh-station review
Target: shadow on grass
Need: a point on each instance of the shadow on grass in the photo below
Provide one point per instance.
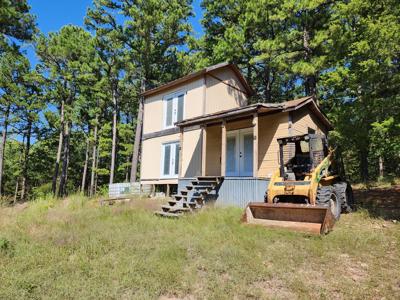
(380, 202)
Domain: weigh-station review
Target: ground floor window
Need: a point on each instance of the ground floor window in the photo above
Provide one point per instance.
(170, 160)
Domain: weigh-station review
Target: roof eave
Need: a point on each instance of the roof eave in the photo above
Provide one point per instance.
(248, 89)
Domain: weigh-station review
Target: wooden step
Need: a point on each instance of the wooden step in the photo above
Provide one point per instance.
(203, 187)
(175, 202)
(189, 187)
(208, 183)
(184, 192)
(208, 177)
(167, 214)
(172, 202)
(173, 209)
(180, 197)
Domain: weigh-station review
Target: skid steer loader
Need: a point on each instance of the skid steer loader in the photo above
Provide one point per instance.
(308, 192)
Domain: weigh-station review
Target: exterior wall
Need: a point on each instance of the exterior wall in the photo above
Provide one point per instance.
(191, 156)
(153, 119)
(220, 96)
(270, 128)
(151, 158)
(303, 119)
(213, 155)
(199, 99)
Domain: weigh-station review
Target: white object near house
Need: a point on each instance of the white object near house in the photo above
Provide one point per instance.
(117, 190)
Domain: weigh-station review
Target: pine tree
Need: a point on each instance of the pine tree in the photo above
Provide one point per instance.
(67, 57)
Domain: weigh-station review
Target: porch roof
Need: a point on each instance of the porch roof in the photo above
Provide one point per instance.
(260, 108)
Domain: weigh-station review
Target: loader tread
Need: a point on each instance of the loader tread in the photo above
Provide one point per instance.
(324, 194)
(343, 190)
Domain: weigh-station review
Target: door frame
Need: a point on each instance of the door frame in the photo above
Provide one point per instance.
(235, 134)
(238, 134)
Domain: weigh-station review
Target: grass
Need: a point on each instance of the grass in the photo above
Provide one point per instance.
(77, 249)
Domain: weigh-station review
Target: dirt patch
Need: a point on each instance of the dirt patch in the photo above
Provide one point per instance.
(355, 270)
(189, 297)
(274, 288)
(380, 202)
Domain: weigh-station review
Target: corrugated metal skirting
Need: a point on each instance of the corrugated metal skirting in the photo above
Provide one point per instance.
(239, 191)
(235, 191)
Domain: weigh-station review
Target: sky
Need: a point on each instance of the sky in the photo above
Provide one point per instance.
(51, 15)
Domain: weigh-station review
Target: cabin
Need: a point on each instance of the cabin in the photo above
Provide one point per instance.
(202, 127)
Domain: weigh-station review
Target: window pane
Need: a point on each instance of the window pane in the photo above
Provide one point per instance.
(180, 108)
(168, 114)
(176, 159)
(231, 154)
(248, 153)
(167, 159)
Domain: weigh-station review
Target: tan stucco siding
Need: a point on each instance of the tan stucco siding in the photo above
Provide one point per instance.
(153, 119)
(303, 119)
(270, 128)
(152, 156)
(221, 96)
(213, 153)
(191, 157)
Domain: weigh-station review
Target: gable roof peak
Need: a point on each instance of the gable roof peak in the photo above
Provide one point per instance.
(248, 89)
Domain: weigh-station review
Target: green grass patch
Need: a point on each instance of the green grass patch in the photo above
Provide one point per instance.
(77, 249)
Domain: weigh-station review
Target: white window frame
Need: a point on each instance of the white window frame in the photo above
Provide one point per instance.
(177, 148)
(174, 97)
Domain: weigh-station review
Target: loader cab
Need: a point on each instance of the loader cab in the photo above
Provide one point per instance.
(299, 155)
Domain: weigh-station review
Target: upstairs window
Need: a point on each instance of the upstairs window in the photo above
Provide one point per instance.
(173, 109)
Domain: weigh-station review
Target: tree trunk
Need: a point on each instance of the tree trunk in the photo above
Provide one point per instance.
(60, 146)
(94, 152)
(138, 137)
(267, 85)
(3, 146)
(310, 84)
(85, 166)
(24, 189)
(364, 165)
(114, 135)
(16, 191)
(381, 168)
(64, 170)
(97, 166)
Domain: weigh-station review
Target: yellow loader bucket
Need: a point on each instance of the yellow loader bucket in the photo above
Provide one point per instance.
(299, 217)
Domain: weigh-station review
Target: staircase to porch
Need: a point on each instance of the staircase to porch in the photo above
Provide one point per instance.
(191, 198)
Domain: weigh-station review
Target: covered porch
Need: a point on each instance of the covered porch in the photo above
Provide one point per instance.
(238, 143)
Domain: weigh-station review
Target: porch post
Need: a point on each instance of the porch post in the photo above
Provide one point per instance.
(255, 145)
(204, 150)
(223, 148)
(180, 152)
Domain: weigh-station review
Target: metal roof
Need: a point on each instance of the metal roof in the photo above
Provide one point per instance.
(248, 110)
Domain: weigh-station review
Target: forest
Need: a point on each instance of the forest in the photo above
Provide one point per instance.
(72, 123)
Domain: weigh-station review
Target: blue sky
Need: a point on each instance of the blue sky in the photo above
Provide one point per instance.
(51, 15)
